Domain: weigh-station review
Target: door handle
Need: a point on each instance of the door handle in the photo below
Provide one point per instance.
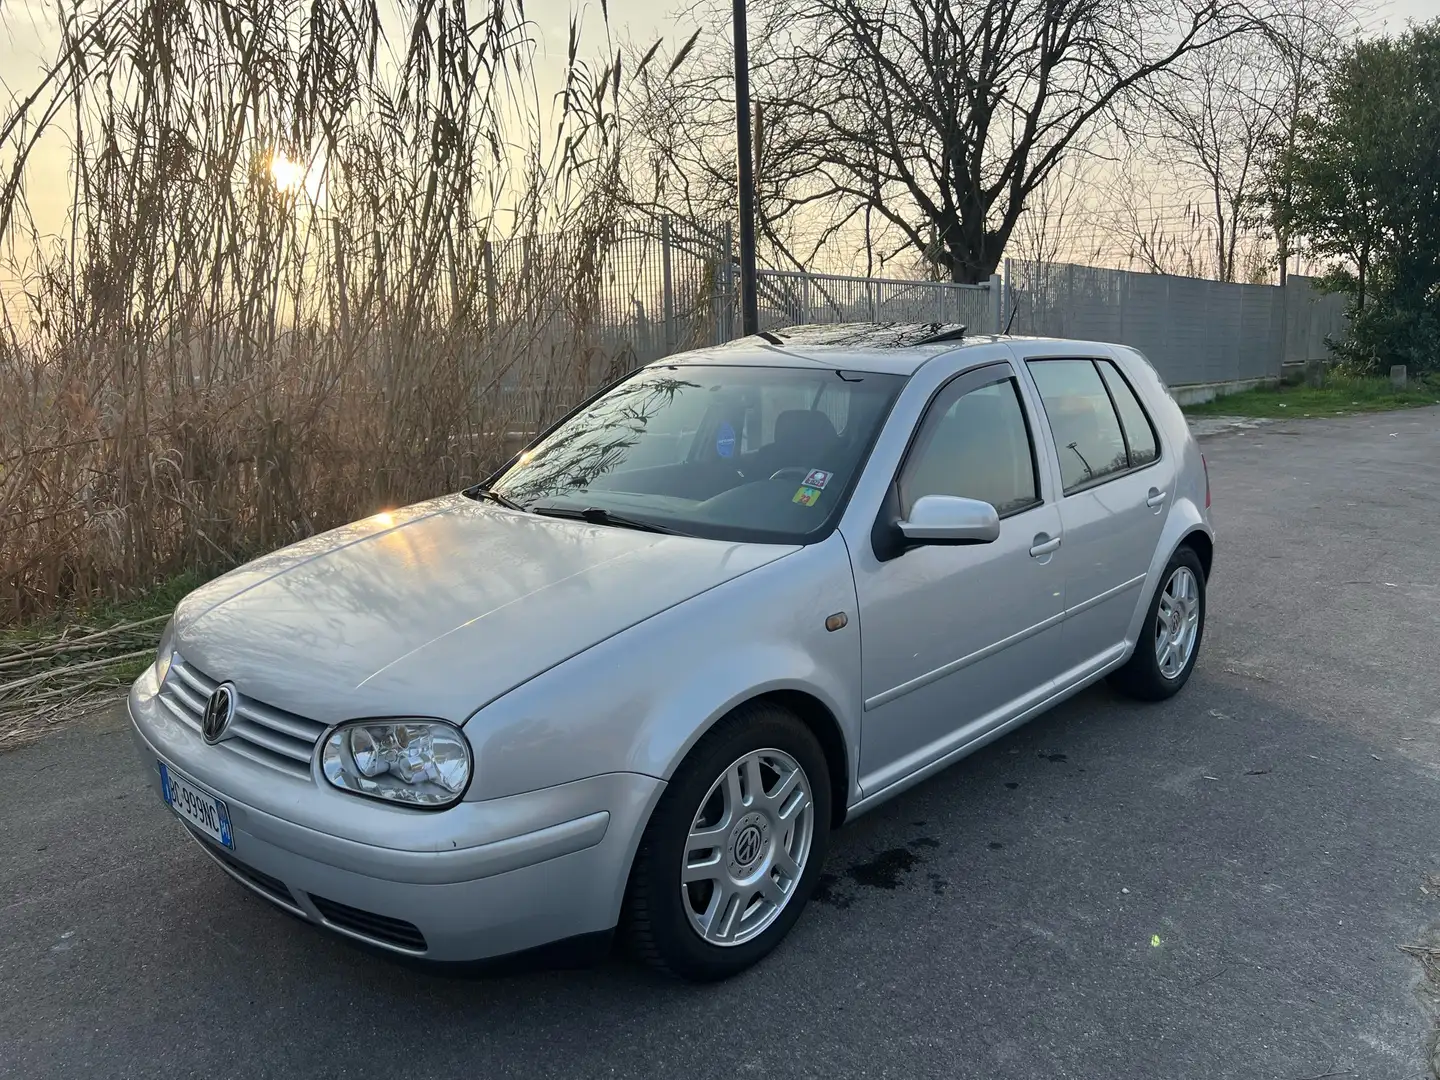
(1155, 498)
(1043, 545)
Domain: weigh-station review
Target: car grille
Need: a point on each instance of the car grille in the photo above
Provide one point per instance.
(272, 887)
(367, 924)
(269, 736)
(376, 929)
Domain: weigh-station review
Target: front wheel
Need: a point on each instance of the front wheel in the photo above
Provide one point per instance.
(1170, 636)
(733, 850)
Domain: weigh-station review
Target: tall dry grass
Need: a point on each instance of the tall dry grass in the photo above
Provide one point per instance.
(218, 354)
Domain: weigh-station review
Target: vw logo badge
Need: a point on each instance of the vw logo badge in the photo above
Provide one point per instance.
(747, 845)
(219, 711)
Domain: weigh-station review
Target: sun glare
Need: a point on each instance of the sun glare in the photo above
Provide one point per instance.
(288, 175)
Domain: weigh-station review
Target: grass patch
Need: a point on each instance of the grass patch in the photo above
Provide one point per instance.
(104, 614)
(61, 666)
(1341, 395)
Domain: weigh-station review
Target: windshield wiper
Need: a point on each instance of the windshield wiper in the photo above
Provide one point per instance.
(597, 516)
(494, 496)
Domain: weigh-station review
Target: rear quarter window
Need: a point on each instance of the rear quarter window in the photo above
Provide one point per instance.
(1140, 438)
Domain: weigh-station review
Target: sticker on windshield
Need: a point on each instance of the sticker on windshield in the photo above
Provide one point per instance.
(725, 441)
(807, 496)
(817, 478)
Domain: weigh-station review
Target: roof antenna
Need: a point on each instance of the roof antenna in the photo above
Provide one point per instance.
(1014, 307)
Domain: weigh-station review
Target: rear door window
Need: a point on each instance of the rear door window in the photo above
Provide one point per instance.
(1087, 430)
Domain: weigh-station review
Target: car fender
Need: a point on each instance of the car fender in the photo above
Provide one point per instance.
(1185, 517)
(639, 701)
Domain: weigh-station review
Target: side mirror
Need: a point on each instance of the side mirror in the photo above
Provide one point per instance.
(949, 519)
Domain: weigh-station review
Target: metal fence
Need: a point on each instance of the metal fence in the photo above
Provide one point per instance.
(1193, 330)
(788, 298)
(671, 284)
(1312, 320)
(657, 288)
(668, 285)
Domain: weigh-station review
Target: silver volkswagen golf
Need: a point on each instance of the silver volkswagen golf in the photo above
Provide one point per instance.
(636, 679)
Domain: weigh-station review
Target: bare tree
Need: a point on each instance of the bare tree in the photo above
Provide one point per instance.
(1057, 223)
(1218, 111)
(679, 118)
(1161, 230)
(937, 119)
(944, 117)
(1221, 115)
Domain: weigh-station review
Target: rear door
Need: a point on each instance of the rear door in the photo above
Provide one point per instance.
(1114, 491)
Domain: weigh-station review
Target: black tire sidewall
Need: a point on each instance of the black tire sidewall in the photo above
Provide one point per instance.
(1151, 681)
(671, 938)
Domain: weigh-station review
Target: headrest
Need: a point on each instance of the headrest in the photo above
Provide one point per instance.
(804, 427)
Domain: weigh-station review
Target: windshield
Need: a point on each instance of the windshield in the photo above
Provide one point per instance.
(737, 453)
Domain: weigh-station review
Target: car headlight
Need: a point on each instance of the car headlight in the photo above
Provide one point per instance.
(423, 763)
(164, 653)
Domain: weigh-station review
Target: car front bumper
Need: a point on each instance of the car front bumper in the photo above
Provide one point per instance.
(480, 880)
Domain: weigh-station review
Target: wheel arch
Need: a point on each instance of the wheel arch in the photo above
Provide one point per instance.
(1199, 541)
(816, 716)
(1186, 528)
(645, 917)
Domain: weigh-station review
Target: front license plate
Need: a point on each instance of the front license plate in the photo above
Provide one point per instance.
(200, 809)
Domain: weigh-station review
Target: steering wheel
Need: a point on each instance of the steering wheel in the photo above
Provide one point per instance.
(790, 470)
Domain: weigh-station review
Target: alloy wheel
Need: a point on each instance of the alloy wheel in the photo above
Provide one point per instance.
(1177, 622)
(747, 847)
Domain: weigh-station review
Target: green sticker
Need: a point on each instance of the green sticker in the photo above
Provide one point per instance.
(807, 496)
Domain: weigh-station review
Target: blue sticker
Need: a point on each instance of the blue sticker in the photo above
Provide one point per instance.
(725, 441)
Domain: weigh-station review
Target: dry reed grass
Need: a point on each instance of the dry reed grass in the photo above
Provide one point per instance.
(65, 674)
(219, 354)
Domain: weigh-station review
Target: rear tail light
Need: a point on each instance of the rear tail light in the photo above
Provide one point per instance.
(1206, 466)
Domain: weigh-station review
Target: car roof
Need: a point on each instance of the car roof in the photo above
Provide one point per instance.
(890, 348)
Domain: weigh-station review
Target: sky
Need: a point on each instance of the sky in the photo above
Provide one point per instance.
(648, 19)
(26, 29)
(23, 29)
(1420, 10)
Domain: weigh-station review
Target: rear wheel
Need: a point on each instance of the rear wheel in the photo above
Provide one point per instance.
(1170, 637)
(733, 850)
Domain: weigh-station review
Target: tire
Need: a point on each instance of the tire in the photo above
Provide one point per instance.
(681, 928)
(1144, 676)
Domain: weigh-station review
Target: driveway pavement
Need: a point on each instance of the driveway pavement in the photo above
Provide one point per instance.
(1213, 887)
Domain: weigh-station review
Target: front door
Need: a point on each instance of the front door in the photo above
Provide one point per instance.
(955, 639)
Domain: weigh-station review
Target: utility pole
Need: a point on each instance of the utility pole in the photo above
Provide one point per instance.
(749, 297)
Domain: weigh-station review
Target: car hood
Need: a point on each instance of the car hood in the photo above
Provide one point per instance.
(439, 608)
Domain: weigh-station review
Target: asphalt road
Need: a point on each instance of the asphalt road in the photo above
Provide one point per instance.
(1274, 828)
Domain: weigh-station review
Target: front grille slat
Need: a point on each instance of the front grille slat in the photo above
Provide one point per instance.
(184, 715)
(279, 744)
(182, 693)
(307, 731)
(368, 924)
(202, 687)
(261, 733)
(258, 754)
